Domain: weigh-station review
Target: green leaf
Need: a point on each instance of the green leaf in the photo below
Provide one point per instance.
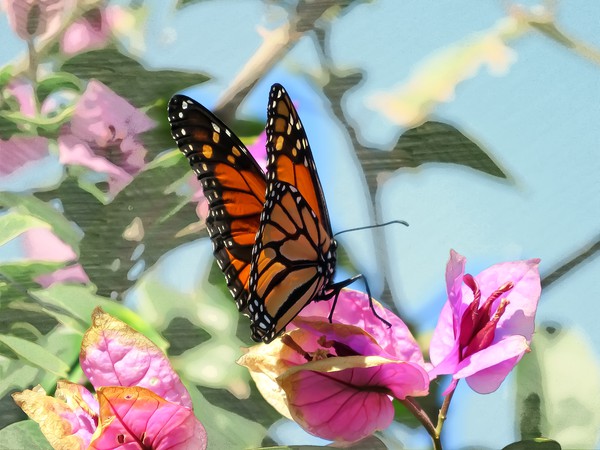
(120, 73)
(534, 444)
(224, 428)
(26, 271)
(403, 415)
(6, 75)
(33, 206)
(435, 142)
(183, 3)
(16, 375)
(79, 302)
(165, 160)
(57, 81)
(558, 388)
(15, 223)
(7, 128)
(24, 434)
(65, 344)
(36, 355)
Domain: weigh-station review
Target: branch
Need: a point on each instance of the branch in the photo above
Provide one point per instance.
(277, 43)
(582, 255)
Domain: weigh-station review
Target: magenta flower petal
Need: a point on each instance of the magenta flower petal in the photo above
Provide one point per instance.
(353, 309)
(90, 32)
(23, 92)
(258, 149)
(342, 414)
(113, 354)
(135, 417)
(347, 399)
(66, 420)
(444, 345)
(338, 380)
(70, 274)
(486, 325)
(31, 18)
(77, 152)
(455, 270)
(101, 116)
(18, 151)
(486, 369)
(520, 313)
(104, 136)
(41, 244)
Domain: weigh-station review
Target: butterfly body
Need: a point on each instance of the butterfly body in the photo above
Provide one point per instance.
(271, 233)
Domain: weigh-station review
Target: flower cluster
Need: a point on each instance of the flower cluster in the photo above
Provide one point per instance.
(139, 398)
(338, 380)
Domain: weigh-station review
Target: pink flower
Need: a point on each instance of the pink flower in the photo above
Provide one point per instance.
(487, 323)
(22, 91)
(69, 274)
(104, 136)
(337, 380)
(30, 18)
(258, 149)
(140, 399)
(21, 150)
(198, 198)
(90, 32)
(38, 244)
(41, 244)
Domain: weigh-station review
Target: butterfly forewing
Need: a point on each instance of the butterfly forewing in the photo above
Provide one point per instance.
(233, 184)
(289, 155)
(293, 261)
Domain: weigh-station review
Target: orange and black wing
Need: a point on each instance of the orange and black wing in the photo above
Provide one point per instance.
(289, 156)
(294, 255)
(233, 184)
(294, 261)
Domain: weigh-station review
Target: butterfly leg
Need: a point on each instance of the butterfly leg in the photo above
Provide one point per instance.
(336, 288)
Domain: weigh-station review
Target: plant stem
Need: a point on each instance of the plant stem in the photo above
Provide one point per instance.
(33, 61)
(422, 417)
(441, 419)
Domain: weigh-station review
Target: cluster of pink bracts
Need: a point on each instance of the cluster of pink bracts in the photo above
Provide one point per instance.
(337, 380)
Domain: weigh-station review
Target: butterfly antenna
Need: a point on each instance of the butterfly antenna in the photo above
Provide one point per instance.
(366, 227)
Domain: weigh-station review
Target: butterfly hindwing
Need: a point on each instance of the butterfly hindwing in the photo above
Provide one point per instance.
(294, 258)
(233, 183)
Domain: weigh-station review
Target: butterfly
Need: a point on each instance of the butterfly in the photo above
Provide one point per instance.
(271, 234)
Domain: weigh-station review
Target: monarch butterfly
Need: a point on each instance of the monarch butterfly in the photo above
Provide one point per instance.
(271, 234)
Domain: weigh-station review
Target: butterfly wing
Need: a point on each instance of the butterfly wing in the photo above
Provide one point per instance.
(233, 184)
(288, 153)
(294, 255)
(294, 259)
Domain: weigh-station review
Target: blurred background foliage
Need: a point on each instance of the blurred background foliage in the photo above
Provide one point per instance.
(415, 111)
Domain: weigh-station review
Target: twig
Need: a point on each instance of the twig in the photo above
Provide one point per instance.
(579, 257)
(275, 45)
(442, 416)
(420, 414)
